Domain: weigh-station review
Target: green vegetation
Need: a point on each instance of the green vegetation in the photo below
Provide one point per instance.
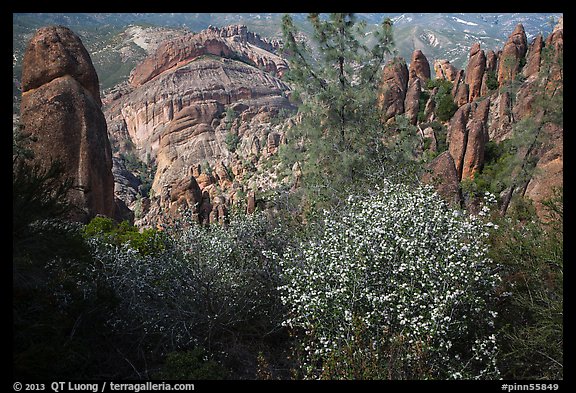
(191, 365)
(445, 106)
(232, 140)
(144, 171)
(338, 143)
(491, 81)
(147, 242)
(530, 256)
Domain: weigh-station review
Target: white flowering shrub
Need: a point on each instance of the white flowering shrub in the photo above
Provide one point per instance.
(397, 271)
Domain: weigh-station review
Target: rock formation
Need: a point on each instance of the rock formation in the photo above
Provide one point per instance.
(467, 138)
(458, 137)
(475, 72)
(534, 56)
(441, 173)
(419, 66)
(476, 140)
(61, 107)
(233, 41)
(460, 89)
(512, 53)
(412, 103)
(445, 70)
(197, 100)
(429, 109)
(394, 86)
(491, 61)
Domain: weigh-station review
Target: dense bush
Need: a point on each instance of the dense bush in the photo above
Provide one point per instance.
(211, 288)
(190, 365)
(399, 280)
(445, 106)
(147, 241)
(530, 255)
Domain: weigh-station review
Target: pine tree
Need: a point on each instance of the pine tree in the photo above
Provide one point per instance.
(335, 84)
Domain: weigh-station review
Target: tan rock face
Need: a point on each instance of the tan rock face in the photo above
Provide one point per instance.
(491, 61)
(514, 50)
(179, 118)
(458, 137)
(411, 103)
(227, 42)
(393, 88)
(445, 70)
(467, 138)
(186, 194)
(199, 102)
(500, 117)
(443, 176)
(429, 114)
(419, 66)
(61, 108)
(534, 56)
(475, 72)
(460, 89)
(549, 169)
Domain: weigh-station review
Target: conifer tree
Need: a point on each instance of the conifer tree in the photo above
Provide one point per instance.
(335, 84)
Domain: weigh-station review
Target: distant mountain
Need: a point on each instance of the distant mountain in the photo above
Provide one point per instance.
(118, 41)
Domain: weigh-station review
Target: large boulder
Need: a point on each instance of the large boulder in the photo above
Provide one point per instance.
(442, 175)
(55, 51)
(393, 88)
(61, 109)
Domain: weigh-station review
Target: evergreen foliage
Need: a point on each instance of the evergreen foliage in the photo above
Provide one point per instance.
(340, 130)
(530, 255)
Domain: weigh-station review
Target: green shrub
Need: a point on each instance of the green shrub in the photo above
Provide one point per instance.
(149, 241)
(190, 365)
(491, 81)
(443, 85)
(211, 287)
(445, 106)
(232, 140)
(529, 254)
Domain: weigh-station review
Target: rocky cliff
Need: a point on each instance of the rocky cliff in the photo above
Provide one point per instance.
(61, 108)
(203, 100)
